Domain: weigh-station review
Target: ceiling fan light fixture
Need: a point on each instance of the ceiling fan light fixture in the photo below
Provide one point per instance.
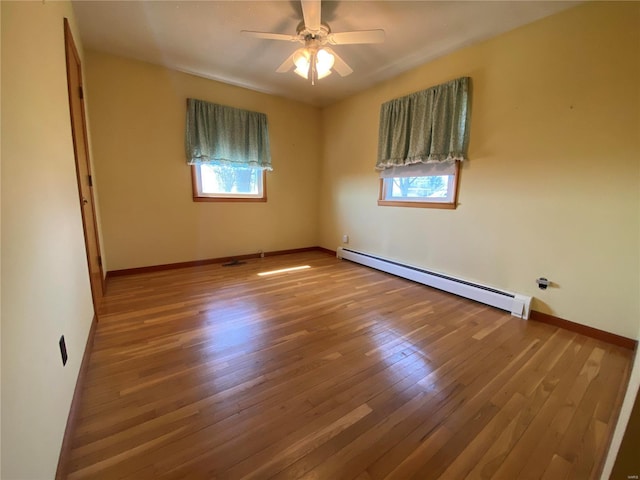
(314, 61)
(303, 57)
(322, 75)
(302, 72)
(324, 63)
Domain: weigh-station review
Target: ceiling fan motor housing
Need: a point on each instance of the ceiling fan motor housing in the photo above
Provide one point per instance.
(320, 35)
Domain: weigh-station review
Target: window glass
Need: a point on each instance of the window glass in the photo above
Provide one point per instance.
(433, 188)
(221, 182)
(421, 185)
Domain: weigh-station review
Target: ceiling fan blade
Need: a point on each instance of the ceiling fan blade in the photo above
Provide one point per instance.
(339, 65)
(360, 36)
(287, 64)
(271, 36)
(311, 11)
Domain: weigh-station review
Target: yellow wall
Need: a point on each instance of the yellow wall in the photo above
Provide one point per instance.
(45, 282)
(551, 188)
(553, 182)
(148, 216)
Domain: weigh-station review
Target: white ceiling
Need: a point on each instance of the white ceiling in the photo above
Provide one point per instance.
(204, 37)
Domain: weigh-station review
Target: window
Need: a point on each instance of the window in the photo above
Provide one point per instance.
(228, 150)
(420, 185)
(221, 183)
(422, 139)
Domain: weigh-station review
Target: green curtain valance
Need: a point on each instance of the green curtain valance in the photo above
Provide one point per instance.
(221, 135)
(424, 127)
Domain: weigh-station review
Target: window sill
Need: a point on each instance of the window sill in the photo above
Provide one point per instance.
(229, 199)
(393, 203)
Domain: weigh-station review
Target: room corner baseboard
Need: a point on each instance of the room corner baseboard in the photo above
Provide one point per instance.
(294, 250)
(584, 330)
(326, 250)
(209, 261)
(65, 450)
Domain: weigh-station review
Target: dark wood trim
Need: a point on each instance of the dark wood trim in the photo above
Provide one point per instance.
(72, 419)
(584, 330)
(88, 224)
(393, 203)
(208, 261)
(326, 250)
(200, 198)
(292, 250)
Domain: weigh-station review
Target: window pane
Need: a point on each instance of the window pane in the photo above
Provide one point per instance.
(218, 179)
(433, 188)
(420, 185)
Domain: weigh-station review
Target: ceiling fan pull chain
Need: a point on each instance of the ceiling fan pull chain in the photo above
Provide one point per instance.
(313, 67)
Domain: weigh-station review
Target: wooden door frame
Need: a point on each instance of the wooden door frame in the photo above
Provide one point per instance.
(71, 50)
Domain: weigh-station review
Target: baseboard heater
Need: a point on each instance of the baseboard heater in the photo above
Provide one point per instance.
(519, 305)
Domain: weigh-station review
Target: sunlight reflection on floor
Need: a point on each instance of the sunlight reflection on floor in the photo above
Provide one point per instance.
(284, 270)
(420, 366)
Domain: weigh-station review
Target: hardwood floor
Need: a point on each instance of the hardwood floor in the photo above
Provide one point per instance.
(334, 372)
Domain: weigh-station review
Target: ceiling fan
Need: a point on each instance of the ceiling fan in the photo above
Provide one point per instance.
(316, 60)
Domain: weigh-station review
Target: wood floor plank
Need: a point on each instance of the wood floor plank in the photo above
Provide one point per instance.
(550, 422)
(469, 457)
(537, 395)
(429, 445)
(334, 372)
(558, 469)
(342, 399)
(448, 396)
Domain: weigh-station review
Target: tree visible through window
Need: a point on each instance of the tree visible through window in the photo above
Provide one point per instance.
(229, 180)
(226, 183)
(437, 189)
(424, 187)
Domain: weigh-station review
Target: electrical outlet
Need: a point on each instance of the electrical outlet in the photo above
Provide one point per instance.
(345, 238)
(63, 350)
(543, 283)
